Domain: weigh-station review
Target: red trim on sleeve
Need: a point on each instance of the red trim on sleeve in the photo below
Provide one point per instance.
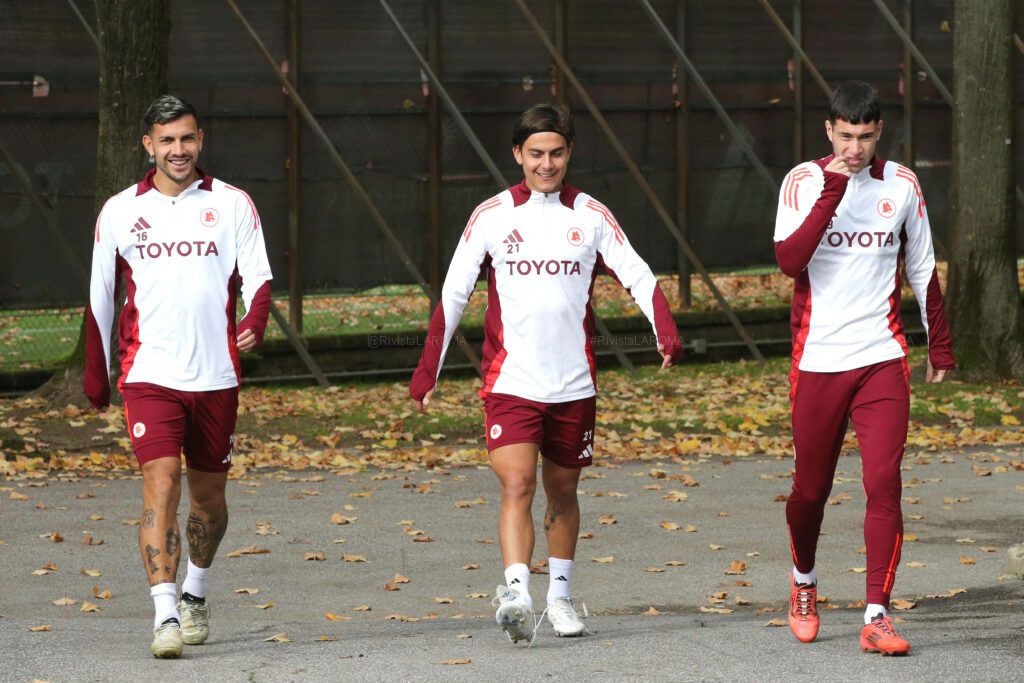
(665, 326)
(590, 327)
(894, 317)
(229, 312)
(494, 336)
(800, 327)
(96, 377)
(127, 325)
(940, 344)
(425, 376)
(795, 252)
(256, 316)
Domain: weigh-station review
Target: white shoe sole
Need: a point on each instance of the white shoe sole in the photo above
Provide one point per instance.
(513, 620)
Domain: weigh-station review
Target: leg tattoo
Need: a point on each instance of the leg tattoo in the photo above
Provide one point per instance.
(551, 515)
(148, 518)
(204, 536)
(151, 553)
(173, 542)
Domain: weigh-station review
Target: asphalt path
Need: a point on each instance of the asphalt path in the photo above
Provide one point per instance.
(962, 512)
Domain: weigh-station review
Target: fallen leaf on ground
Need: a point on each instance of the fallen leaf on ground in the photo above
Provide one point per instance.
(670, 526)
(331, 616)
(456, 661)
(248, 591)
(278, 638)
(477, 595)
(964, 559)
(64, 602)
(603, 560)
(675, 563)
(102, 595)
(715, 546)
(776, 622)
(716, 610)
(652, 612)
(338, 518)
(585, 535)
(903, 604)
(354, 558)
(915, 564)
(44, 627)
(737, 567)
(607, 519)
(676, 496)
(422, 539)
(473, 565)
(249, 550)
(858, 570)
(316, 557)
(443, 601)
(89, 539)
(361, 608)
(654, 570)
(53, 536)
(327, 639)
(401, 617)
(89, 607)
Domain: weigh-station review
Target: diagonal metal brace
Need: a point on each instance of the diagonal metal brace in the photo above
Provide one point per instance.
(346, 172)
(634, 170)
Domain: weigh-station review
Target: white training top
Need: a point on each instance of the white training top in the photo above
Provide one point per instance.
(846, 305)
(541, 253)
(180, 257)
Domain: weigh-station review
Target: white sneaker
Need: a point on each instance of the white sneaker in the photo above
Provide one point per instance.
(195, 621)
(167, 640)
(564, 618)
(514, 615)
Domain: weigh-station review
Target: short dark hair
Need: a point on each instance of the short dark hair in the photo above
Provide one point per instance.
(167, 108)
(855, 102)
(544, 118)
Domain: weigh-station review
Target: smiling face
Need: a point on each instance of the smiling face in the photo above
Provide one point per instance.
(175, 146)
(545, 159)
(854, 143)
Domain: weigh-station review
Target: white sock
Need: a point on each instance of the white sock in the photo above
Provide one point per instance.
(195, 581)
(561, 574)
(517, 576)
(873, 611)
(810, 578)
(165, 603)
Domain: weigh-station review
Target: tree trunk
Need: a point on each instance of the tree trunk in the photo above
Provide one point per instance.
(983, 294)
(133, 72)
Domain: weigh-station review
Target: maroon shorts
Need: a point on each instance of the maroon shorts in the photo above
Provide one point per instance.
(563, 431)
(162, 421)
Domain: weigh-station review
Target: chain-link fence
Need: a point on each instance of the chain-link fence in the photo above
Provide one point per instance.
(366, 89)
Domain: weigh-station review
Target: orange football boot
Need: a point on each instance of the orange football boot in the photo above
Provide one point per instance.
(880, 636)
(803, 610)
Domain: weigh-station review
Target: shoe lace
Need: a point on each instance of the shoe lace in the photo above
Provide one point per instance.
(885, 625)
(804, 604)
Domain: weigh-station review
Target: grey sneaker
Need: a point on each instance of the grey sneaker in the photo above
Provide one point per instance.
(564, 618)
(167, 640)
(195, 621)
(514, 615)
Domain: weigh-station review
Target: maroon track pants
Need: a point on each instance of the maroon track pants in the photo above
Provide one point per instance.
(877, 399)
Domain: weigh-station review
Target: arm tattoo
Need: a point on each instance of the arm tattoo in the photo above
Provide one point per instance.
(152, 552)
(148, 518)
(173, 541)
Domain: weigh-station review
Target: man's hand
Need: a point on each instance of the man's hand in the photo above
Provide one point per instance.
(422, 406)
(933, 376)
(246, 341)
(838, 165)
(666, 359)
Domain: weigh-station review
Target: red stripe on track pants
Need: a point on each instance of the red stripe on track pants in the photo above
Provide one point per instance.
(876, 398)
